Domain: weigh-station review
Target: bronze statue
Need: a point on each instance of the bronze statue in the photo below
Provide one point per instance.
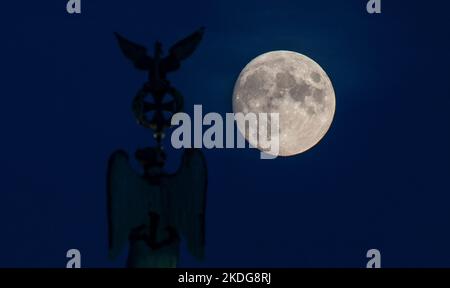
(154, 210)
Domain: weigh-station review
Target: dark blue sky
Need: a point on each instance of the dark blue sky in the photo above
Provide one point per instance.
(379, 178)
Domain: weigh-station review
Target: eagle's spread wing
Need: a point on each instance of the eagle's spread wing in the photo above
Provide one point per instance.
(187, 195)
(181, 50)
(129, 196)
(135, 52)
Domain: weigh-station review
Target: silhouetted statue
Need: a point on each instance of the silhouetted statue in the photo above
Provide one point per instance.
(158, 85)
(159, 66)
(154, 210)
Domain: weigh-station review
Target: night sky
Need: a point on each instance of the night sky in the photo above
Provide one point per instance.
(378, 179)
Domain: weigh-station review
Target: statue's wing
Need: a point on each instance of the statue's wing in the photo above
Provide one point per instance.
(128, 201)
(135, 52)
(181, 50)
(187, 195)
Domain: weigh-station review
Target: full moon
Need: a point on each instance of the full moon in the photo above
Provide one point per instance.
(294, 86)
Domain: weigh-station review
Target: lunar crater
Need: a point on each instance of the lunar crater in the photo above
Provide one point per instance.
(284, 80)
(315, 77)
(300, 91)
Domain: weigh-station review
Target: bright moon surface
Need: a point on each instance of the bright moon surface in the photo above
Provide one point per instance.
(294, 86)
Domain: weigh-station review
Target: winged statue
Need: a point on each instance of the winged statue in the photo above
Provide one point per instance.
(158, 86)
(151, 210)
(158, 66)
